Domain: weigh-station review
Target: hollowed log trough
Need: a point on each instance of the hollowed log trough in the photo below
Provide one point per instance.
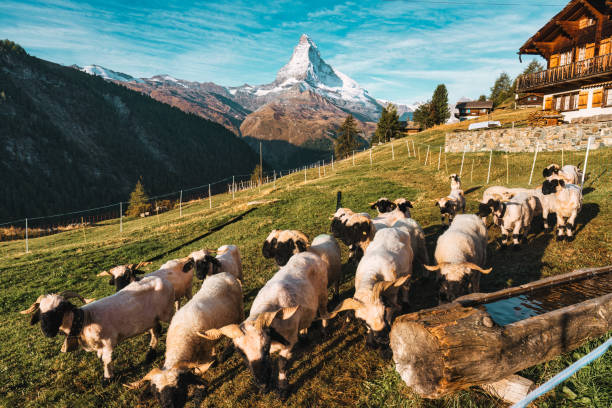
(454, 346)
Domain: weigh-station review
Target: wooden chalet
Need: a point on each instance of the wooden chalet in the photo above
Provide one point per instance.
(577, 45)
(472, 109)
(409, 127)
(530, 100)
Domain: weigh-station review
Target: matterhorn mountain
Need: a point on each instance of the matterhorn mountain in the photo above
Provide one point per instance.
(307, 71)
(295, 116)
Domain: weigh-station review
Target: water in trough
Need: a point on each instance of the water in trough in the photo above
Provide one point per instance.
(545, 300)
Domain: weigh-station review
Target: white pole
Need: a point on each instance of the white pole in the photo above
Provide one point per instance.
(26, 235)
(353, 157)
(392, 152)
(586, 159)
(181, 204)
(371, 156)
(234, 187)
(489, 172)
(274, 178)
(408, 148)
(427, 155)
(319, 163)
(120, 217)
(535, 156)
(332, 161)
(462, 159)
(209, 198)
(439, 158)
(413, 149)
(562, 157)
(304, 174)
(323, 168)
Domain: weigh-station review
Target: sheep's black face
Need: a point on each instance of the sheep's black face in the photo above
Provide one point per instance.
(123, 280)
(403, 207)
(549, 171)
(550, 187)
(447, 208)
(268, 248)
(284, 251)
(451, 290)
(261, 368)
(51, 320)
(384, 206)
(337, 228)
(359, 232)
(483, 210)
(173, 397)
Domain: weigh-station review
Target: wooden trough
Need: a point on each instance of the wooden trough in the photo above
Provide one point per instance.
(454, 346)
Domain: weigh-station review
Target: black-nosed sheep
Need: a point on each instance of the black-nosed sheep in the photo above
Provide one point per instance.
(460, 254)
(228, 259)
(354, 229)
(455, 182)
(383, 270)
(101, 325)
(287, 304)
(451, 205)
(217, 304)
(515, 216)
(179, 272)
(569, 174)
(566, 201)
(282, 245)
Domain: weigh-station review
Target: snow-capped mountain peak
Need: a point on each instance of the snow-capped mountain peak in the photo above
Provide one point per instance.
(109, 74)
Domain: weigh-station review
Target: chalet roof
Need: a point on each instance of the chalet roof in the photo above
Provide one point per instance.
(475, 105)
(565, 23)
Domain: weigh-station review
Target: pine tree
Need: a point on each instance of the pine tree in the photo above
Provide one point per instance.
(346, 141)
(501, 89)
(439, 105)
(533, 67)
(482, 98)
(423, 115)
(256, 174)
(139, 201)
(388, 124)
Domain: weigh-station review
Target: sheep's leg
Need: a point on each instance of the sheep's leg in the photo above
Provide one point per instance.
(152, 352)
(560, 228)
(516, 235)
(323, 312)
(545, 219)
(504, 236)
(177, 305)
(284, 363)
(571, 226)
(188, 292)
(107, 361)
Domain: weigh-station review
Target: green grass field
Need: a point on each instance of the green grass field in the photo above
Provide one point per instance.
(338, 371)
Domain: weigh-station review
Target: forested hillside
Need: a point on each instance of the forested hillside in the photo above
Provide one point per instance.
(69, 140)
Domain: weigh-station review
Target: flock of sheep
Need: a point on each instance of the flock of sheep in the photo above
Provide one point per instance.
(389, 251)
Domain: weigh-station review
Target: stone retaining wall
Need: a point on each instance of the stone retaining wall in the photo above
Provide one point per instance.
(551, 138)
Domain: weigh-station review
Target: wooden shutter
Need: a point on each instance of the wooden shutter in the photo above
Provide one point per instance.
(590, 51)
(548, 103)
(604, 47)
(554, 61)
(583, 99)
(597, 95)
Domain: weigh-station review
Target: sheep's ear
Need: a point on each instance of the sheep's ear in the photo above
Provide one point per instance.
(373, 205)
(393, 206)
(561, 183)
(137, 384)
(409, 204)
(347, 304)
(104, 273)
(477, 268)
(35, 317)
(189, 265)
(231, 330)
(437, 203)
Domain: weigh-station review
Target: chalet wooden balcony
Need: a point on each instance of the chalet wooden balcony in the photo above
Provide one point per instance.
(567, 76)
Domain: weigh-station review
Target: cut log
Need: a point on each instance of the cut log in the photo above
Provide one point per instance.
(451, 347)
(511, 389)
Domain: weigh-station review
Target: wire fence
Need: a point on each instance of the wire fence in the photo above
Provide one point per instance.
(502, 168)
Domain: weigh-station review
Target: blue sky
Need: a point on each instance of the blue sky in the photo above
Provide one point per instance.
(398, 50)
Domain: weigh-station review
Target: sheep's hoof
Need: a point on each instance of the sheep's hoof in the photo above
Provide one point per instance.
(150, 357)
(569, 238)
(560, 238)
(106, 381)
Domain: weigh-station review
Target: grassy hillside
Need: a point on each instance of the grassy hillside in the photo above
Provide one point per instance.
(81, 142)
(338, 371)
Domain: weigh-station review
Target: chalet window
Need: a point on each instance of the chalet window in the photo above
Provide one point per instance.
(565, 58)
(566, 102)
(581, 53)
(575, 99)
(585, 22)
(608, 97)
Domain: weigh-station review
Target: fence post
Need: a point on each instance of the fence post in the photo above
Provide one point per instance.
(507, 168)
(472, 172)
(535, 156)
(439, 158)
(121, 217)
(489, 172)
(323, 168)
(462, 159)
(332, 161)
(586, 159)
(26, 235)
(371, 155)
(234, 187)
(413, 149)
(319, 165)
(181, 204)
(209, 198)
(304, 174)
(353, 157)
(408, 148)
(427, 155)
(392, 152)
(274, 178)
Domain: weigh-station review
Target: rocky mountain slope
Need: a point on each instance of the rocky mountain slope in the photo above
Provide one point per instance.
(69, 141)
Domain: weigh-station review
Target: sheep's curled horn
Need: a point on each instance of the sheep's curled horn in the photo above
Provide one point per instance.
(468, 264)
(67, 294)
